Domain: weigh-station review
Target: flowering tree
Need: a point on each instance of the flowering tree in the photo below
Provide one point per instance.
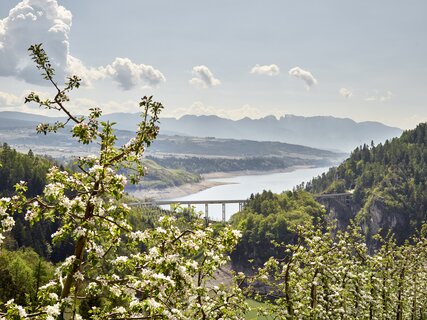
(327, 276)
(116, 272)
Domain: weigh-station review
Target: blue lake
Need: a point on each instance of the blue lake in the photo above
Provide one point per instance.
(241, 187)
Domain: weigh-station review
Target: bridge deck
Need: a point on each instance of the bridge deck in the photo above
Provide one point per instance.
(332, 195)
(167, 202)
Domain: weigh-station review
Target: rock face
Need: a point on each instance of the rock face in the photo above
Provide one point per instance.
(340, 211)
(379, 219)
(375, 218)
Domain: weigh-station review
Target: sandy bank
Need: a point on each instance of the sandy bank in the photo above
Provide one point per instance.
(174, 192)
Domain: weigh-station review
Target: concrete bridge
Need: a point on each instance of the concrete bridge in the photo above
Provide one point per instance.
(190, 203)
(342, 197)
(333, 195)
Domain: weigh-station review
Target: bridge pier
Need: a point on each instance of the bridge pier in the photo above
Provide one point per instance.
(190, 203)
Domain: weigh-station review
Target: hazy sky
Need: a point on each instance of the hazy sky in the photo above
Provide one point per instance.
(366, 60)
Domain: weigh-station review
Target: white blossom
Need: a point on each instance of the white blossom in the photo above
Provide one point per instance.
(121, 259)
(79, 276)
(121, 178)
(116, 291)
(30, 215)
(120, 310)
(8, 223)
(153, 303)
(21, 311)
(53, 311)
(53, 296)
(79, 232)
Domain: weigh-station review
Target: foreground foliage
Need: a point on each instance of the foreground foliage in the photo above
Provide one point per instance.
(327, 276)
(116, 272)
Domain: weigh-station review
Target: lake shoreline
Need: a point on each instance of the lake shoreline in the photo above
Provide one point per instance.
(174, 192)
(231, 174)
(209, 181)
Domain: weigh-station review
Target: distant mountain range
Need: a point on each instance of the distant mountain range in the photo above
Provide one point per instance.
(21, 134)
(339, 134)
(317, 132)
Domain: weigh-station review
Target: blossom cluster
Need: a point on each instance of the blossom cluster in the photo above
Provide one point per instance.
(329, 275)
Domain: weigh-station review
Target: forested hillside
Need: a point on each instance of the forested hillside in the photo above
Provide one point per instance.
(269, 218)
(158, 177)
(15, 167)
(389, 183)
(203, 165)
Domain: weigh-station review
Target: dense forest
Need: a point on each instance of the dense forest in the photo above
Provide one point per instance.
(15, 167)
(269, 218)
(388, 181)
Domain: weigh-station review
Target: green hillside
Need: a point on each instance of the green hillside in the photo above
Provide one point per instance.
(159, 177)
(16, 166)
(269, 218)
(388, 181)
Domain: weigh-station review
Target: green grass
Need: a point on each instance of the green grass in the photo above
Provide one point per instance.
(253, 310)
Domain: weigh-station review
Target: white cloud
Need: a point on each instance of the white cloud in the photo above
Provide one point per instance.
(346, 93)
(269, 70)
(76, 67)
(13, 102)
(8, 99)
(378, 96)
(128, 74)
(305, 75)
(29, 22)
(45, 21)
(203, 78)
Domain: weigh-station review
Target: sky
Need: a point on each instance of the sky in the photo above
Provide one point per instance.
(364, 60)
